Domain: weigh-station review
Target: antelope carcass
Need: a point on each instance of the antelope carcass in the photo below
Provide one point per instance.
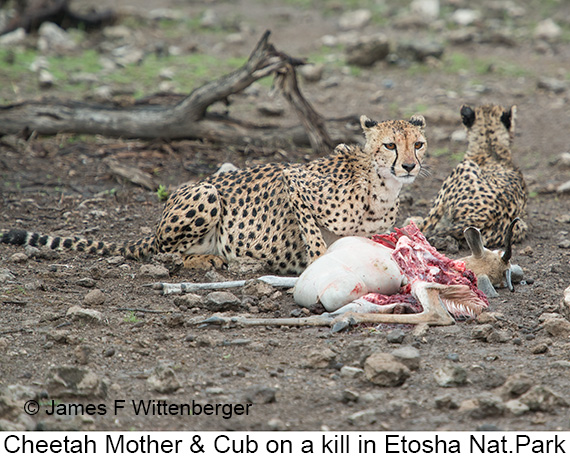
(367, 281)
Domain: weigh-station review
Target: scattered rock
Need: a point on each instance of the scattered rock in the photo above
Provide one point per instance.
(363, 418)
(552, 84)
(355, 20)
(319, 358)
(516, 407)
(483, 406)
(94, 298)
(77, 312)
(541, 398)
(385, 370)
(19, 257)
(68, 381)
(219, 301)
(351, 372)
(395, 336)
(261, 395)
(52, 38)
(557, 327)
(409, 356)
(45, 79)
(86, 282)
(189, 300)
(547, 30)
(419, 51)
(426, 8)
(515, 386)
(12, 38)
(464, 16)
(163, 380)
(154, 271)
(6, 275)
(271, 109)
(540, 348)
(446, 402)
(312, 72)
(450, 375)
(82, 353)
(367, 50)
(116, 260)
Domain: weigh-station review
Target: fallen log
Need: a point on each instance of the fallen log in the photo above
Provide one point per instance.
(187, 119)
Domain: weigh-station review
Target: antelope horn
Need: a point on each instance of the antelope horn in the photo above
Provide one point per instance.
(508, 241)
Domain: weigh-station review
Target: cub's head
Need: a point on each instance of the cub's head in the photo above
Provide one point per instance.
(397, 148)
(490, 130)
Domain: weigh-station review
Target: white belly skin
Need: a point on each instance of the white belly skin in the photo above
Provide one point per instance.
(352, 267)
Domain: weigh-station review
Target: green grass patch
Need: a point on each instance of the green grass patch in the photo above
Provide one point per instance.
(457, 62)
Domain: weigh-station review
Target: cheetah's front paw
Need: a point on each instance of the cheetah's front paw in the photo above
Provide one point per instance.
(204, 262)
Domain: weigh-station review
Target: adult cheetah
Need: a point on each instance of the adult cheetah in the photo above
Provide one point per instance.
(486, 190)
(283, 214)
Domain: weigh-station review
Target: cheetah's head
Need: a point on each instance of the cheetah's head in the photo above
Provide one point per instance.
(397, 148)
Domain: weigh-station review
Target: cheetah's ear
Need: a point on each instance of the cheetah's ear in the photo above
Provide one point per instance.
(467, 116)
(367, 123)
(419, 121)
(508, 118)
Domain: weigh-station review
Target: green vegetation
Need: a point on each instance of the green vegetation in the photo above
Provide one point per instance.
(162, 193)
(457, 62)
(131, 318)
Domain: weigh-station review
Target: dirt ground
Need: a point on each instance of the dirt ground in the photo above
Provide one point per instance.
(143, 346)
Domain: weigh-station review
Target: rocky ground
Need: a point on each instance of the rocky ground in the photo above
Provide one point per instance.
(80, 330)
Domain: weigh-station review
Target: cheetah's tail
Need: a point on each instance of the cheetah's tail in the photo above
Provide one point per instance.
(131, 250)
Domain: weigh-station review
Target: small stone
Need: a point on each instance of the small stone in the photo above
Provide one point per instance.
(68, 381)
(271, 109)
(45, 79)
(164, 380)
(82, 353)
(154, 271)
(540, 348)
(77, 312)
(557, 327)
(367, 50)
(86, 282)
(554, 85)
(547, 30)
(363, 418)
(355, 20)
(19, 257)
(446, 402)
(464, 16)
(483, 406)
(409, 356)
(12, 38)
(52, 38)
(350, 372)
(276, 425)
(221, 301)
(189, 300)
(261, 395)
(116, 260)
(312, 72)
(396, 336)
(109, 352)
(319, 358)
(450, 375)
(6, 275)
(94, 298)
(385, 370)
(515, 386)
(225, 167)
(349, 396)
(516, 407)
(541, 398)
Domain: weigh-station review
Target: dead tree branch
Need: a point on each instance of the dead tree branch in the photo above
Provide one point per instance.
(185, 120)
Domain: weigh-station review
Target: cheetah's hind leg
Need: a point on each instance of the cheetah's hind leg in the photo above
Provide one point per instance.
(190, 226)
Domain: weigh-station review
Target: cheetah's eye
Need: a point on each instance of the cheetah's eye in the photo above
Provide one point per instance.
(419, 144)
(390, 146)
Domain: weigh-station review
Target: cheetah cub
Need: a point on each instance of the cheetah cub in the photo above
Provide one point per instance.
(486, 190)
(283, 214)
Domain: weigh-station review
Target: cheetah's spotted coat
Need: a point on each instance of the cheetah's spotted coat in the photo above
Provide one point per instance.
(486, 190)
(283, 214)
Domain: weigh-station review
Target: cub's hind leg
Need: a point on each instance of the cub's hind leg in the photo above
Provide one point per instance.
(190, 226)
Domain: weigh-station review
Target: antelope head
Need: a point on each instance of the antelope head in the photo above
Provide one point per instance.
(492, 268)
